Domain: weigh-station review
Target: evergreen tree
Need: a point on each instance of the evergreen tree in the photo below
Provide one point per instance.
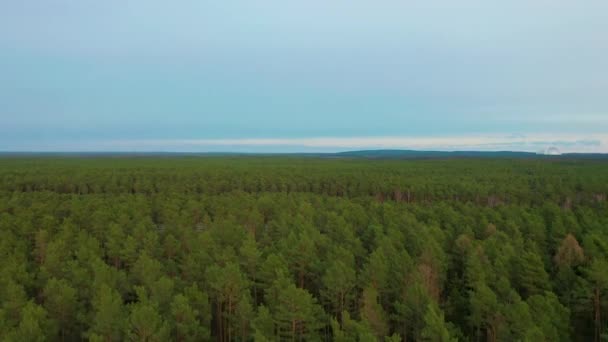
(109, 316)
(435, 328)
(533, 279)
(61, 304)
(185, 321)
(339, 282)
(34, 325)
(263, 325)
(297, 315)
(372, 312)
(145, 322)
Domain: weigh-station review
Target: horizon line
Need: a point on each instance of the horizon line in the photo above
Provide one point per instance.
(540, 143)
(226, 152)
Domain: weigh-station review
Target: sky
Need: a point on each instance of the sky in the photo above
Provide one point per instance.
(303, 76)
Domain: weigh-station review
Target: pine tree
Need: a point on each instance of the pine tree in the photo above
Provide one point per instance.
(533, 279)
(228, 285)
(484, 308)
(598, 276)
(297, 314)
(550, 316)
(250, 261)
(263, 325)
(435, 328)
(372, 312)
(301, 253)
(108, 321)
(185, 321)
(34, 325)
(199, 301)
(145, 324)
(339, 282)
(61, 303)
(14, 299)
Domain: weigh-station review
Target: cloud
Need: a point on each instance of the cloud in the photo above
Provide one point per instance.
(590, 143)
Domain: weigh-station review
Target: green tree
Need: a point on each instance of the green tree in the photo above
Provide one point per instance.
(161, 292)
(301, 253)
(550, 316)
(274, 267)
(14, 299)
(115, 239)
(187, 327)
(338, 284)
(250, 261)
(34, 325)
(435, 328)
(146, 271)
(109, 316)
(297, 314)
(263, 325)
(351, 330)
(372, 312)
(411, 307)
(146, 324)
(484, 309)
(228, 285)
(243, 315)
(61, 303)
(598, 275)
(199, 301)
(533, 278)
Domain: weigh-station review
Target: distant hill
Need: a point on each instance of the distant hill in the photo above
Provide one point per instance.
(412, 154)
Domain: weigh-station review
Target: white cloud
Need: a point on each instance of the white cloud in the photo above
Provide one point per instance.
(588, 143)
(597, 143)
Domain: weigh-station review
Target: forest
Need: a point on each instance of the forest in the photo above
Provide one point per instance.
(262, 248)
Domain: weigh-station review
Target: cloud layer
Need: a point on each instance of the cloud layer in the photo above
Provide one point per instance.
(592, 143)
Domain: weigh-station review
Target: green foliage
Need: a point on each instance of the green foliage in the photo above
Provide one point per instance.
(339, 282)
(297, 315)
(372, 313)
(435, 328)
(185, 320)
(34, 325)
(146, 324)
(61, 304)
(263, 325)
(109, 315)
(283, 248)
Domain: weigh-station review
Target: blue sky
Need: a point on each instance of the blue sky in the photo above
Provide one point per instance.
(277, 76)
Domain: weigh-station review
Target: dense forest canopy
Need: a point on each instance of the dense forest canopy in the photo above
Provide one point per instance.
(306, 249)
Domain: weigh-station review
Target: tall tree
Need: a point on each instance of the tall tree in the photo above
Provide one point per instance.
(435, 328)
(34, 325)
(598, 275)
(372, 312)
(187, 327)
(339, 282)
(109, 316)
(145, 324)
(250, 261)
(532, 276)
(61, 303)
(297, 314)
(228, 285)
(263, 325)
